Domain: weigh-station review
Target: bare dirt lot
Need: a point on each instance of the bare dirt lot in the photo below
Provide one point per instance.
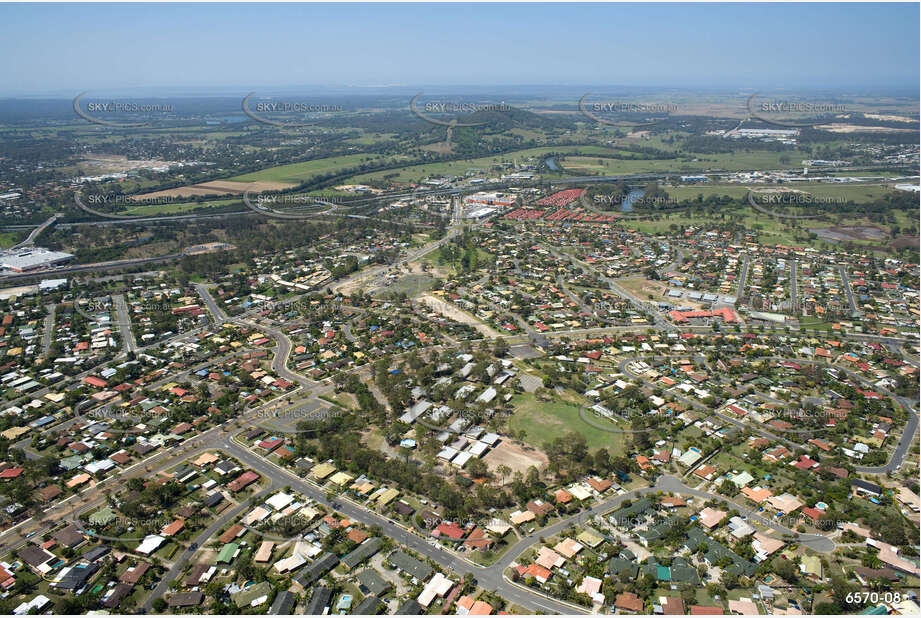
(849, 232)
(108, 163)
(450, 311)
(516, 456)
(641, 288)
(217, 187)
(906, 241)
(853, 128)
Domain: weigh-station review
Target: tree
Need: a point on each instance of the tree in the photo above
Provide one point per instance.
(503, 471)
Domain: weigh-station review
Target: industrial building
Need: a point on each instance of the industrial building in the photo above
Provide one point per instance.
(33, 258)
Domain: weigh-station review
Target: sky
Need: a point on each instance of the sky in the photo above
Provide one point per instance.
(64, 49)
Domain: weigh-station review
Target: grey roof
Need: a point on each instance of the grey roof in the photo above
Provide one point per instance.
(226, 466)
(371, 581)
(75, 577)
(34, 555)
(69, 536)
(283, 603)
(185, 599)
(213, 499)
(867, 486)
(628, 513)
(618, 565)
(319, 601)
(119, 592)
(410, 608)
(368, 607)
(27, 259)
(362, 553)
(415, 568)
(681, 574)
(96, 553)
(316, 569)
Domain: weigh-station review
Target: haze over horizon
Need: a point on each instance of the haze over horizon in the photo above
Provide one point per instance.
(75, 47)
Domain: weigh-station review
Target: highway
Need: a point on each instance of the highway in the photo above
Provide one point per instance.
(794, 304)
(97, 266)
(30, 239)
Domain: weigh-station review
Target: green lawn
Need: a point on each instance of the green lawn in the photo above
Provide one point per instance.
(8, 239)
(814, 324)
(544, 421)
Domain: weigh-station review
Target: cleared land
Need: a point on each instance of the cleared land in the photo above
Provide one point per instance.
(168, 209)
(217, 187)
(516, 456)
(450, 311)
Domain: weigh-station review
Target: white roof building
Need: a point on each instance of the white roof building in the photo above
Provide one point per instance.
(150, 544)
(280, 501)
(437, 586)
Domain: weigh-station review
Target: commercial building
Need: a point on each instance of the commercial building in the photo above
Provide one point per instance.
(24, 260)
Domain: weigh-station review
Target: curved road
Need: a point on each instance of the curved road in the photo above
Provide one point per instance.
(899, 453)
